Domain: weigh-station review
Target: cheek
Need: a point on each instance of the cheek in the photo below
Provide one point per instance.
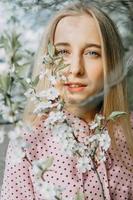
(95, 74)
(94, 68)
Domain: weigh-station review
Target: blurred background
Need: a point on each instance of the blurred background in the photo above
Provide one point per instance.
(21, 26)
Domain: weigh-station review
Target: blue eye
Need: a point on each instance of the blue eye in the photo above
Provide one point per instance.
(62, 52)
(93, 53)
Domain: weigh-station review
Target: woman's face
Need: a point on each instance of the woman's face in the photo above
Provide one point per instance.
(77, 40)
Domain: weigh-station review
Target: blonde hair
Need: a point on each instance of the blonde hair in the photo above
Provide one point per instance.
(112, 52)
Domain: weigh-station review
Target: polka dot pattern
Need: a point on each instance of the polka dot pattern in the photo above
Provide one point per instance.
(19, 182)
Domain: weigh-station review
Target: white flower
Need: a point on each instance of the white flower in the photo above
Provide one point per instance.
(41, 165)
(105, 140)
(12, 69)
(82, 149)
(17, 139)
(93, 125)
(27, 128)
(101, 156)
(42, 94)
(42, 107)
(2, 135)
(54, 118)
(99, 118)
(52, 79)
(91, 139)
(59, 106)
(34, 99)
(50, 191)
(1, 97)
(30, 92)
(37, 171)
(84, 164)
(21, 142)
(43, 73)
(62, 130)
(4, 68)
(63, 134)
(69, 146)
(3, 108)
(7, 114)
(15, 133)
(28, 80)
(63, 78)
(17, 154)
(52, 93)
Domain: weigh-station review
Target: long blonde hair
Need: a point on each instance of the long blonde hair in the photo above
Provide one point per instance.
(112, 52)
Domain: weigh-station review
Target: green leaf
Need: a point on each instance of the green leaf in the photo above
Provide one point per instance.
(47, 60)
(18, 57)
(79, 196)
(98, 119)
(5, 82)
(49, 162)
(51, 50)
(14, 106)
(35, 81)
(8, 101)
(24, 84)
(5, 40)
(115, 115)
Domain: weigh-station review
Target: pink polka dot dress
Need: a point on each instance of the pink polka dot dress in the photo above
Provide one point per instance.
(19, 180)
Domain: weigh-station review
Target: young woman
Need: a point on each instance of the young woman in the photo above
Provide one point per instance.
(89, 42)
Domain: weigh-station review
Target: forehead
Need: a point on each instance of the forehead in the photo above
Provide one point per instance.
(77, 28)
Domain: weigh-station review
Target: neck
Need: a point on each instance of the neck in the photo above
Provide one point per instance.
(86, 115)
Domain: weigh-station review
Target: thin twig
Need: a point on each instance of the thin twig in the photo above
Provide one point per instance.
(95, 170)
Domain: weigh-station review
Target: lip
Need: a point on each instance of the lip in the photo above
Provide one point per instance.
(80, 87)
(75, 83)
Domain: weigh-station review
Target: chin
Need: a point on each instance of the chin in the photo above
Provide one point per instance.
(75, 99)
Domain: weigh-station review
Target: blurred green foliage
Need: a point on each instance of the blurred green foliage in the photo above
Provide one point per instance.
(13, 80)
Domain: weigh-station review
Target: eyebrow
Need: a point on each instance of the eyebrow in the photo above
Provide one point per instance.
(86, 45)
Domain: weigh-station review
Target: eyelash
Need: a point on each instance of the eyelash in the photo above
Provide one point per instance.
(65, 51)
(60, 51)
(96, 54)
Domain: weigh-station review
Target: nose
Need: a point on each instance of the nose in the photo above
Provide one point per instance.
(76, 65)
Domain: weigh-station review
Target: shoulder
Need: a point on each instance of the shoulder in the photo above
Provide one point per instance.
(120, 151)
(36, 139)
(120, 131)
(35, 131)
